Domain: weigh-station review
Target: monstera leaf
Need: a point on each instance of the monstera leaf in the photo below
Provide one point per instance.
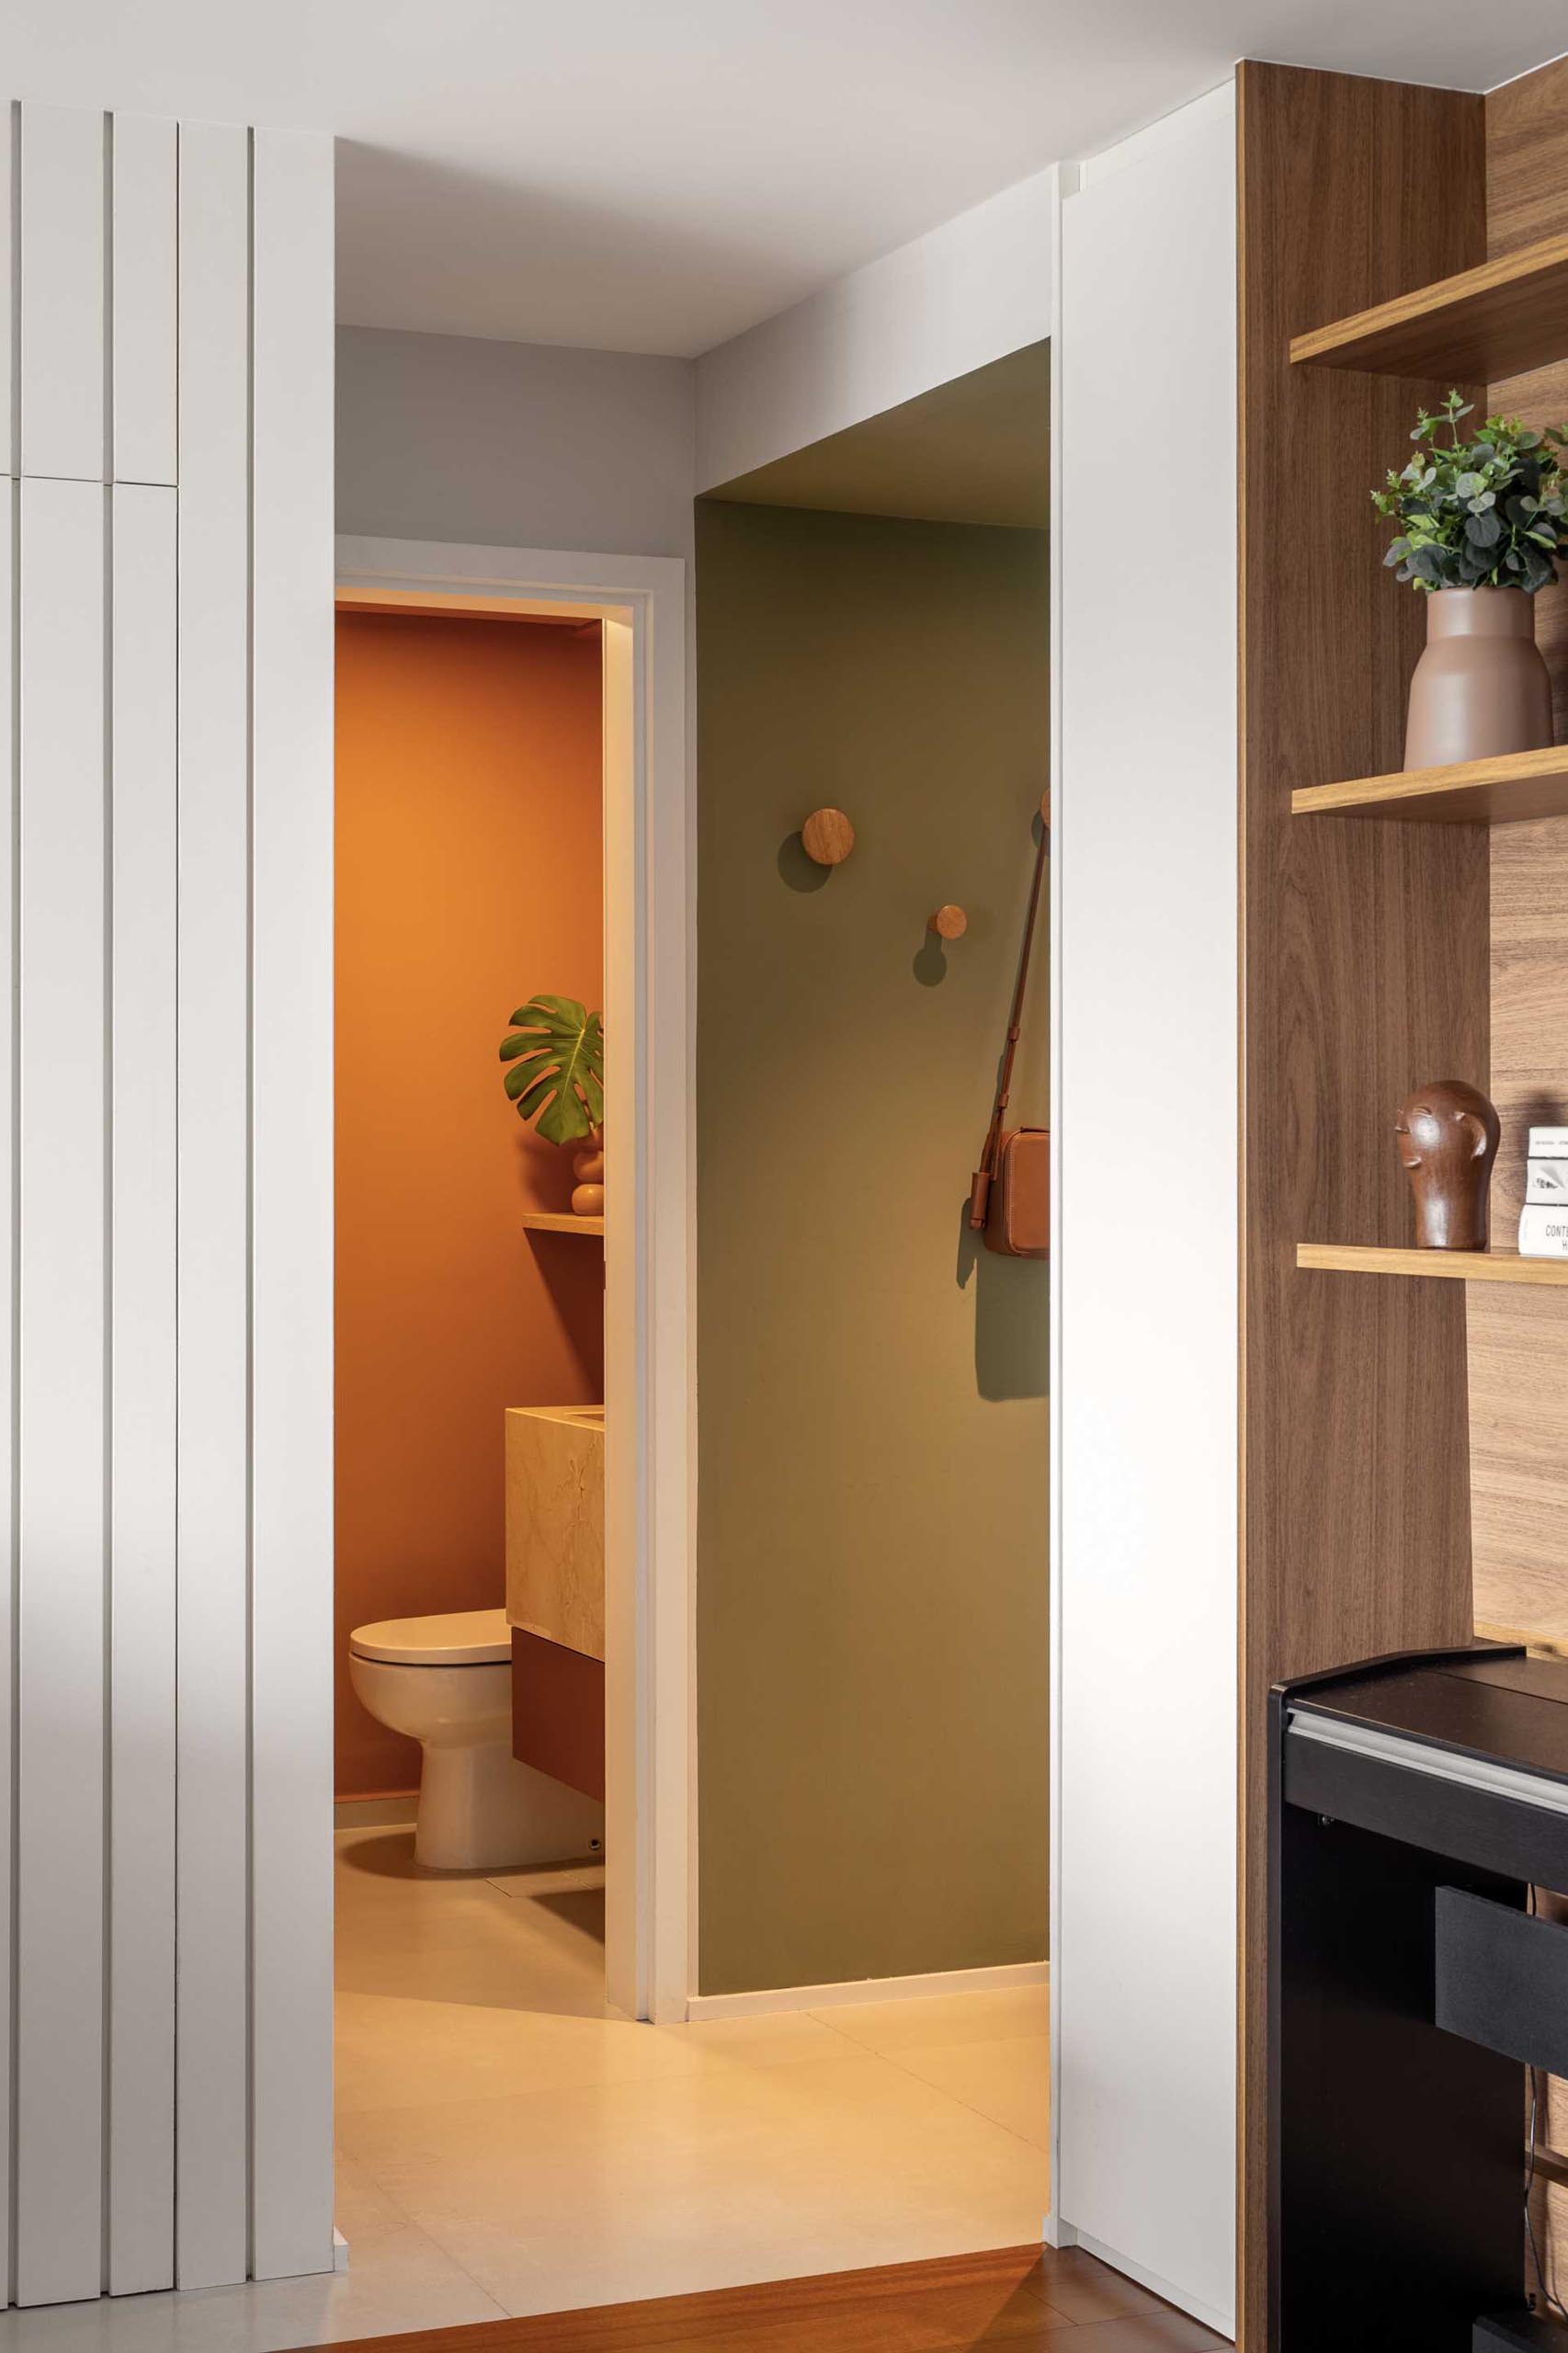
(557, 1054)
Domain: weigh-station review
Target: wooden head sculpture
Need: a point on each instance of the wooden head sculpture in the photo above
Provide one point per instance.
(1447, 1140)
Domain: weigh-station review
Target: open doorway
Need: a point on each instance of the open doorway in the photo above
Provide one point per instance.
(513, 784)
(471, 1307)
(850, 2062)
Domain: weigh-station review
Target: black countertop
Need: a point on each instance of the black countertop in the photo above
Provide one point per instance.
(1488, 1702)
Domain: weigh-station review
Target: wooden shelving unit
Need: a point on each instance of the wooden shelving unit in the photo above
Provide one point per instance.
(1506, 791)
(1507, 316)
(1404, 1448)
(1451, 1266)
(561, 1222)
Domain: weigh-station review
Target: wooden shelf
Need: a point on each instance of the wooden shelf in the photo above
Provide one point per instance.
(1506, 791)
(560, 1221)
(1453, 1265)
(1499, 320)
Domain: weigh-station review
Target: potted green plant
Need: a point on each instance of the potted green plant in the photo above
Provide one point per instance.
(1480, 529)
(556, 1077)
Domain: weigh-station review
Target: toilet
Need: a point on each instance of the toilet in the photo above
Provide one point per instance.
(447, 1682)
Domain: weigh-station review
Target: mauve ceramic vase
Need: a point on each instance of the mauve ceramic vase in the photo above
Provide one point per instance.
(1481, 688)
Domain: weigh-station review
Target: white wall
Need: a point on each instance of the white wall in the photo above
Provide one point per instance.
(453, 437)
(1145, 1387)
(166, 1116)
(954, 300)
(513, 445)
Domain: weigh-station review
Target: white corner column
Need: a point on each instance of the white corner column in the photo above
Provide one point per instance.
(1145, 1391)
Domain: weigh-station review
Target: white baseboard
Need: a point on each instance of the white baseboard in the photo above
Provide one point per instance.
(375, 1813)
(1222, 2323)
(767, 2002)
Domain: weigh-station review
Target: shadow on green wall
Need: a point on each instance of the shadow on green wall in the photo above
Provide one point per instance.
(930, 961)
(1012, 1317)
(800, 871)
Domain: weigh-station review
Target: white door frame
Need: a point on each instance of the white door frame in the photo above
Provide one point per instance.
(650, 1215)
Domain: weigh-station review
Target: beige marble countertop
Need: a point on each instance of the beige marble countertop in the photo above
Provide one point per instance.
(555, 1524)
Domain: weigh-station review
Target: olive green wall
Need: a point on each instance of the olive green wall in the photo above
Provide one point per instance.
(872, 1617)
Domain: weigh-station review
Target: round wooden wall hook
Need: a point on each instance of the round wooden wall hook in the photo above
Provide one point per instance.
(827, 836)
(948, 923)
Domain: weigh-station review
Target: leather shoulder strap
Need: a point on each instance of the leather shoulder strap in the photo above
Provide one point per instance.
(981, 1188)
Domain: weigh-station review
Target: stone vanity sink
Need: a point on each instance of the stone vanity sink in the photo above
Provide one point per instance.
(555, 1524)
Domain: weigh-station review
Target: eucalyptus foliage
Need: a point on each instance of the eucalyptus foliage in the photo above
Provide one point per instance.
(557, 1057)
(1487, 513)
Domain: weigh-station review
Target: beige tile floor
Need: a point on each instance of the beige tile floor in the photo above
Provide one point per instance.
(508, 2145)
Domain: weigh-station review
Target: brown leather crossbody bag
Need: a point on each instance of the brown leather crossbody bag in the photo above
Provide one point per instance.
(1009, 1199)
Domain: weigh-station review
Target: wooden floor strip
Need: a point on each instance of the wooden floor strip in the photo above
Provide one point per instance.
(1013, 2297)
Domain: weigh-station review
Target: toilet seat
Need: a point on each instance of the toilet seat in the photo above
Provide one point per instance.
(457, 1638)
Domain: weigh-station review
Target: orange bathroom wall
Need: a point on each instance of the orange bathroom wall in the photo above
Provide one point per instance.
(469, 876)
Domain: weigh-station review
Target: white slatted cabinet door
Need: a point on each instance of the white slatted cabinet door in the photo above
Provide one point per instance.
(144, 173)
(291, 1305)
(212, 2020)
(63, 283)
(8, 285)
(60, 1794)
(8, 495)
(141, 1553)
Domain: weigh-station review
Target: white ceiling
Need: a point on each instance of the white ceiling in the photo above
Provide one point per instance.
(657, 174)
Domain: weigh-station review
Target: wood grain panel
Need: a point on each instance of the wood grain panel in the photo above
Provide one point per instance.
(1526, 124)
(1363, 964)
(1014, 2296)
(1518, 1343)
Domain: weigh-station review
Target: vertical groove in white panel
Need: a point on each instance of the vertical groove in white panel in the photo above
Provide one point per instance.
(142, 1412)
(145, 276)
(212, 1861)
(60, 1873)
(62, 293)
(8, 538)
(293, 1131)
(9, 286)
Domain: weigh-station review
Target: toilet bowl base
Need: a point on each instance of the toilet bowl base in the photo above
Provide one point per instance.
(480, 1810)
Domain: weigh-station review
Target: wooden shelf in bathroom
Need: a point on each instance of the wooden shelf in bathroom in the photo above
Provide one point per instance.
(561, 1222)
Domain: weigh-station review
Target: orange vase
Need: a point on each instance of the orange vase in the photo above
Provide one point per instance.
(589, 1168)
